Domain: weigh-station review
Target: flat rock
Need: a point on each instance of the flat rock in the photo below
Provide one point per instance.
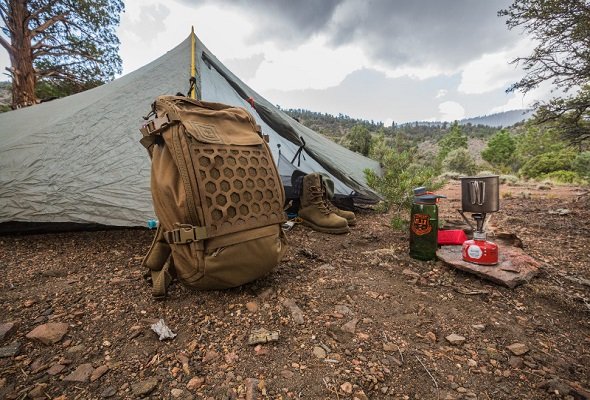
(80, 374)
(350, 326)
(144, 387)
(195, 383)
(109, 391)
(319, 352)
(55, 369)
(98, 373)
(6, 329)
(49, 333)
(518, 349)
(296, 312)
(252, 306)
(11, 350)
(455, 339)
(514, 267)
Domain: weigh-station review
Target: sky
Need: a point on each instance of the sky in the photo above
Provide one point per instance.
(382, 60)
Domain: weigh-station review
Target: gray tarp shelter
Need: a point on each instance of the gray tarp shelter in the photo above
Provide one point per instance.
(78, 159)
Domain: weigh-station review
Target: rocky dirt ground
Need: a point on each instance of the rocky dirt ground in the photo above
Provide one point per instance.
(353, 317)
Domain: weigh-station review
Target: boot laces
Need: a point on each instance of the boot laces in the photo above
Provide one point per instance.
(317, 199)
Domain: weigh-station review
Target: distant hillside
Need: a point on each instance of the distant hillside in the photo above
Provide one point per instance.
(336, 127)
(503, 119)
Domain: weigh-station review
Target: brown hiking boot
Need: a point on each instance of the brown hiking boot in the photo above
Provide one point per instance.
(347, 215)
(314, 209)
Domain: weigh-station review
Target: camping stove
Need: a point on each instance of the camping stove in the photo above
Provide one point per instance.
(480, 196)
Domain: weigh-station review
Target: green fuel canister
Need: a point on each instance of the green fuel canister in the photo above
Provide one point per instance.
(424, 225)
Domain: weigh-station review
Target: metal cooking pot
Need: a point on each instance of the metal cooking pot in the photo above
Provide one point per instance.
(480, 194)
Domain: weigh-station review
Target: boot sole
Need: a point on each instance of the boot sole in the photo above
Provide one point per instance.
(323, 229)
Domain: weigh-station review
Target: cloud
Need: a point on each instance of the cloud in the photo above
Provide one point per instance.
(441, 93)
(493, 71)
(451, 111)
(245, 68)
(432, 35)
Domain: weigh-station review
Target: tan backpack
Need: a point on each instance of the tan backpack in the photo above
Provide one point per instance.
(217, 195)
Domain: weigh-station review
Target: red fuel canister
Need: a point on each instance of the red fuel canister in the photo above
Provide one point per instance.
(480, 251)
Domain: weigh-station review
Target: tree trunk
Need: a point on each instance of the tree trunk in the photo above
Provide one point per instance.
(23, 73)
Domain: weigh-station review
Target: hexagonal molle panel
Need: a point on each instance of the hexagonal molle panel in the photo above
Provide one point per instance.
(263, 172)
(243, 210)
(268, 194)
(210, 187)
(248, 196)
(249, 183)
(224, 185)
(258, 195)
(231, 161)
(270, 182)
(235, 198)
(208, 151)
(231, 212)
(228, 173)
(252, 171)
(214, 173)
(264, 162)
(260, 182)
(243, 160)
(256, 208)
(254, 161)
(238, 184)
(204, 161)
(241, 172)
(216, 215)
(209, 201)
(221, 200)
(266, 206)
(218, 160)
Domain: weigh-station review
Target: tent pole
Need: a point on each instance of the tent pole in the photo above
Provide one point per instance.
(193, 72)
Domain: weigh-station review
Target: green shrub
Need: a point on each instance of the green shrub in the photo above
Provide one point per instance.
(460, 160)
(563, 177)
(500, 149)
(581, 164)
(401, 174)
(545, 163)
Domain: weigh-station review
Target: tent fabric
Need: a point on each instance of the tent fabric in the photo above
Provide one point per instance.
(78, 159)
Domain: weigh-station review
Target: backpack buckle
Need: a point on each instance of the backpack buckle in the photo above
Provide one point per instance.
(185, 234)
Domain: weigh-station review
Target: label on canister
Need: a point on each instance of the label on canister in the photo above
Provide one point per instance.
(421, 224)
(474, 252)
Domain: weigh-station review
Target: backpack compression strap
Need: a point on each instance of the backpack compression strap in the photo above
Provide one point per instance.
(159, 261)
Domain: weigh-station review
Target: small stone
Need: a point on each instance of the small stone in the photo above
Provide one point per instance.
(6, 329)
(38, 391)
(342, 309)
(319, 352)
(144, 387)
(210, 356)
(55, 369)
(296, 312)
(518, 349)
(431, 336)
(252, 389)
(479, 327)
(49, 333)
(80, 374)
(109, 391)
(515, 362)
(176, 393)
(287, 374)
(195, 383)
(11, 350)
(252, 306)
(28, 303)
(350, 326)
(471, 363)
(455, 339)
(262, 335)
(346, 387)
(461, 389)
(389, 346)
(76, 349)
(98, 373)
